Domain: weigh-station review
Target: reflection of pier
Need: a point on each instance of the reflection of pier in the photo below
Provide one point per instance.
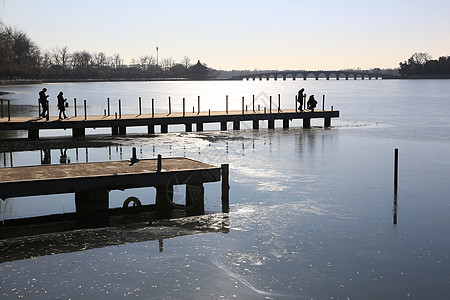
(33, 242)
(119, 123)
(91, 183)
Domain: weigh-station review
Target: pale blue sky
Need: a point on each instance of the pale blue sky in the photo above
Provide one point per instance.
(277, 34)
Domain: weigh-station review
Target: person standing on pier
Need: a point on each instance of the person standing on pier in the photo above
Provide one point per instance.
(61, 105)
(312, 103)
(300, 99)
(44, 102)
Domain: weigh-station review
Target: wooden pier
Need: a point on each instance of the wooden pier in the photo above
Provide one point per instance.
(91, 182)
(119, 123)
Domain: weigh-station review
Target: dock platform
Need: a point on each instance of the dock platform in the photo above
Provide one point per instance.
(119, 123)
(91, 182)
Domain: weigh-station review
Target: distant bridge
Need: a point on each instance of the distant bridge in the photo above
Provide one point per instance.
(275, 75)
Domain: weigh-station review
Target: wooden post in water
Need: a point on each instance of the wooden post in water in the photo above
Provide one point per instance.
(198, 109)
(109, 110)
(159, 165)
(243, 105)
(184, 107)
(225, 188)
(85, 110)
(295, 103)
(323, 102)
(75, 106)
(395, 170)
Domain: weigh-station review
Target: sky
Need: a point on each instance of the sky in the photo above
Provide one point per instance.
(241, 34)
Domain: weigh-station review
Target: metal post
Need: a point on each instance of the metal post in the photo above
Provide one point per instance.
(85, 110)
(109, 111)
(253, 103)
(9, 110)
(140, 106)
(153, 108)
(170, 107)
(226, 104)
(75, 106)
(270, 104)
(159, 165)
(279, 103)
(120, 109)
(395, 170)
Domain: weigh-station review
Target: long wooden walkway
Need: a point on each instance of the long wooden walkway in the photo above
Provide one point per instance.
(119, 123)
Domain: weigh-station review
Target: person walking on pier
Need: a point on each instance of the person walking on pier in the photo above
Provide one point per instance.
(300, 99)
(61, 105)
(311, 103)
(44, 102)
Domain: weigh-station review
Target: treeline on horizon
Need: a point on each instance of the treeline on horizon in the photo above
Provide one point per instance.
(421, 64)
(21, 58)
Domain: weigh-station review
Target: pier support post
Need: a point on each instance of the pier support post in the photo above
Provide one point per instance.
(225, 188)
(255, 124)
(188, 127)
(199, 126)
(236, 125)
(33, 134)
(271, 124)
(195, 195)
(223, 125)
(306, 122)
(151, 129)
(92, 206)
(78, 132)
(164, 198)
(122, 130)
(327, 122)
(164, 128)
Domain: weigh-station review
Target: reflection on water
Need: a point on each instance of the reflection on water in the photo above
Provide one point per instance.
(312, 213)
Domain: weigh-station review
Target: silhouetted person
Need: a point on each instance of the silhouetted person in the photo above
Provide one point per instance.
(311, 103)
(44, 102)
(300, 99)
(47, 159)
(61, 105)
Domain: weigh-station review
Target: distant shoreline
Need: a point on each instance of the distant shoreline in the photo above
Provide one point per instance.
(43, 81)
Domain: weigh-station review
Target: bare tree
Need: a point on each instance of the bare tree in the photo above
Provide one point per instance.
(61, 57)
(186, 62)
(420, 58)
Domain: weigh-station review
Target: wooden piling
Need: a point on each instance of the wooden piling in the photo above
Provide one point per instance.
(159, 164)
(9, 110)
(270, 104)
(279, 103)
(295, 104)
(323, 102)
(108, 104)
(225, 188)
(198, 108)
(75, 106)
(253, 103)
(243, 112)
(184, 107)
(120, 109)
(226, 104)
(395, 170)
